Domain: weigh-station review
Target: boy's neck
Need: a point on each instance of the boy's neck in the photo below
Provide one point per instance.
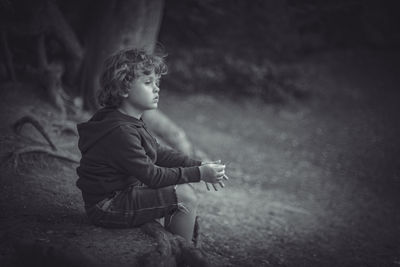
(130, 111)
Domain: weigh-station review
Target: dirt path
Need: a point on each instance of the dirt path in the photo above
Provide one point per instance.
(311, 185)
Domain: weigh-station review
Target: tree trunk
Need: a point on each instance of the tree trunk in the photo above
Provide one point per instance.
(117, 24)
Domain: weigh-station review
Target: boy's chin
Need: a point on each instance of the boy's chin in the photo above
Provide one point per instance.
(153, 106)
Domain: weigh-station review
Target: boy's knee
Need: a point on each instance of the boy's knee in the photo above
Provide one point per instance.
(186, 196)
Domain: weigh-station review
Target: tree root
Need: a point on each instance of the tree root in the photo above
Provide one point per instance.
(66, 126)
(52, 151)
(39, 149)
(29, 119)
(166, 129)
(172, 250)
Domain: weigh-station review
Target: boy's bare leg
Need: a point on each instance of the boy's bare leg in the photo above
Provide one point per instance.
(182, 221)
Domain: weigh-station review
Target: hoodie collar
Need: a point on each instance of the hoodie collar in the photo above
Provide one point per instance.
(118, 114)
(103, 122)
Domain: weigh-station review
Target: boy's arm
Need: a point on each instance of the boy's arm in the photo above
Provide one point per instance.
(128, 156)
(167, 157)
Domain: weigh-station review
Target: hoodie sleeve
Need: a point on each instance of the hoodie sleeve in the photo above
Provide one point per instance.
(129, 156)
(167, 157)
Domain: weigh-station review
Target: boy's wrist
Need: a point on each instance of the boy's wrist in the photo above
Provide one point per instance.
(200, 171)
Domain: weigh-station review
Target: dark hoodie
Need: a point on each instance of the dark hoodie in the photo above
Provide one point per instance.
(118, 151)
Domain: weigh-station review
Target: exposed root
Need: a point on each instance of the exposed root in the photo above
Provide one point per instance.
(39, 149)
(29, 119)
(171, 133)
(52, 151)
(66, 126)
(51, 80)
(172, 250)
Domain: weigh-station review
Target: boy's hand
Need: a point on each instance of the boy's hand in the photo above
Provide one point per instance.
(209, 162)
(214, 185)
(213, 172)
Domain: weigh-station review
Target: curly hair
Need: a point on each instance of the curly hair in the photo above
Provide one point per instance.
(122, 68)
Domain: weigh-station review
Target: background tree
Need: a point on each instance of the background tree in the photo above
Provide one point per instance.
(115, 25)
(63, 61)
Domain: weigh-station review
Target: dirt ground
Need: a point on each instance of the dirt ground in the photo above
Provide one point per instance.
(312, 183)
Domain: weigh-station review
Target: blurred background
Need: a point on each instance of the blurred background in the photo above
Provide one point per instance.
(299, 98)
(239, 48)
(252, 47)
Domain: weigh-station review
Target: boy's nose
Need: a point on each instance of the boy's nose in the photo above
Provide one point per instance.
(156, 89)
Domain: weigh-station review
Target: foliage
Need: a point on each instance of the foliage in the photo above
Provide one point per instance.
(233, 47)
(203, 70)
(251, 47)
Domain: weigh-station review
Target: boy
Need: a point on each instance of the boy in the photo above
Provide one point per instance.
(125, 176)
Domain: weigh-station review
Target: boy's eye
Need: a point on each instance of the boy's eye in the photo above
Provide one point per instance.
(157, 82)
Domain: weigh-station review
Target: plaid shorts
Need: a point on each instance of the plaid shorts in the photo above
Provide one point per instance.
(134, 206)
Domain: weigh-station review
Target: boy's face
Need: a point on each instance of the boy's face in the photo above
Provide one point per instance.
(143, 92)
